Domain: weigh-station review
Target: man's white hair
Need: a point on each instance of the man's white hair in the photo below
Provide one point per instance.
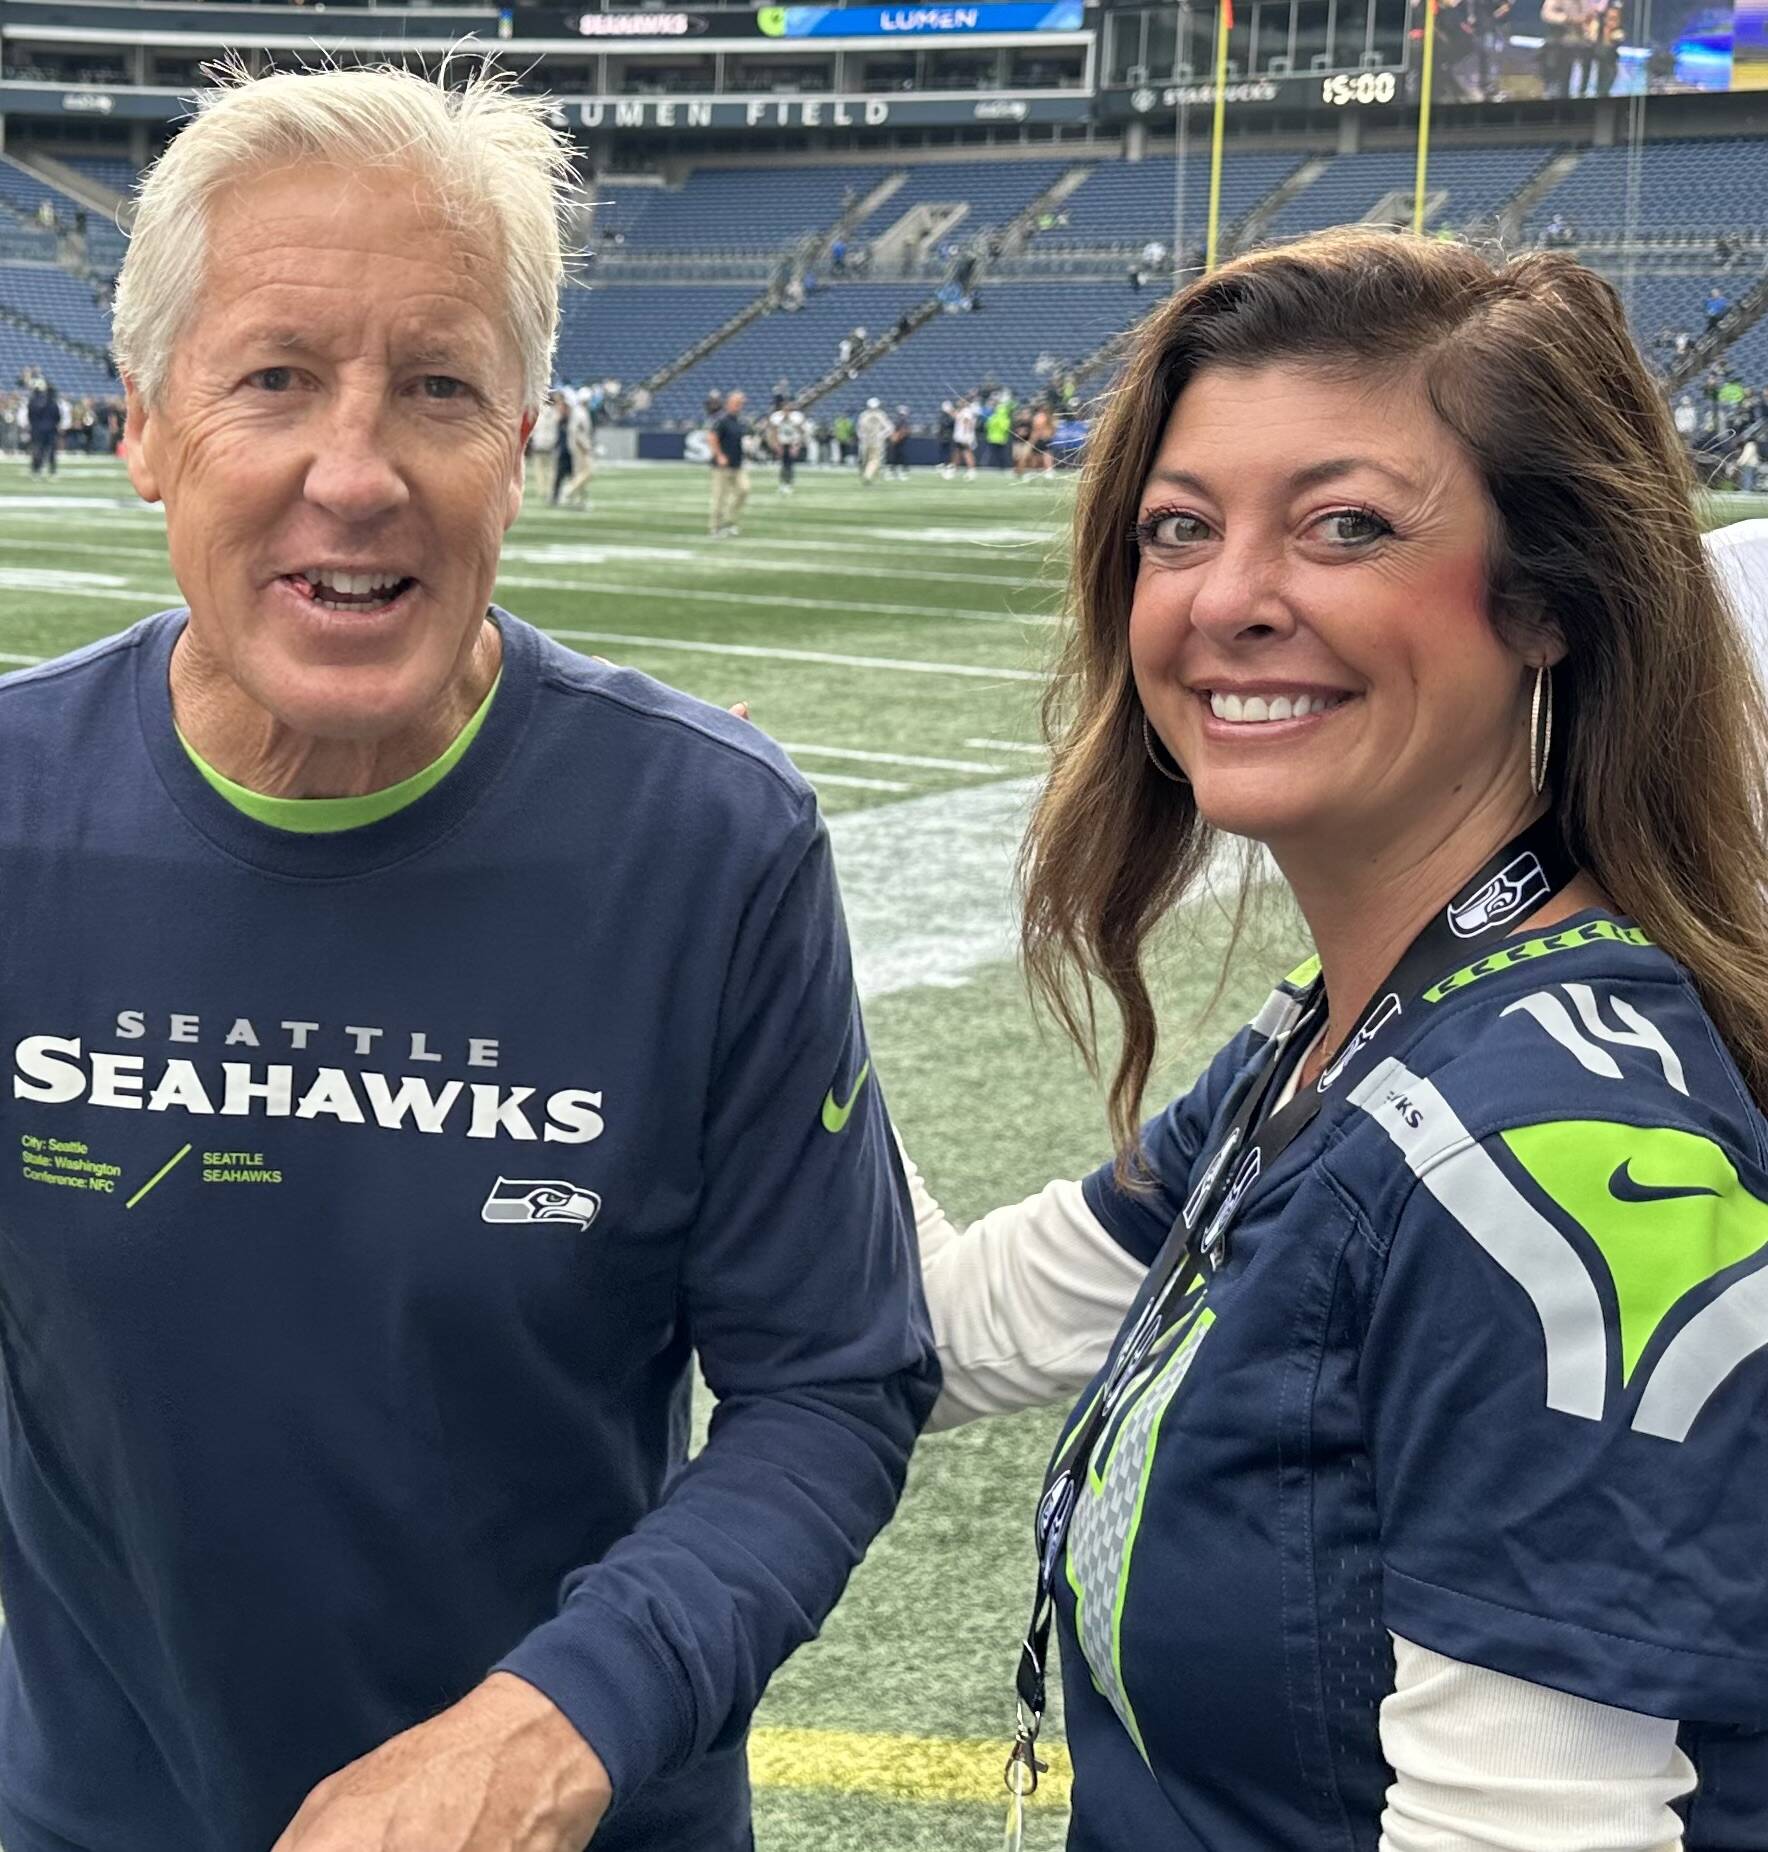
(495, 166)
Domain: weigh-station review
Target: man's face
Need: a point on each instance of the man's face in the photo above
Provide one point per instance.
(347, 400)
(735, 403)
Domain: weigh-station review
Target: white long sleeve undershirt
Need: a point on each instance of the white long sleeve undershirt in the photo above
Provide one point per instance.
(1025, 1303)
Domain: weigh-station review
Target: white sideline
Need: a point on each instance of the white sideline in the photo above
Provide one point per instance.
(764, 653)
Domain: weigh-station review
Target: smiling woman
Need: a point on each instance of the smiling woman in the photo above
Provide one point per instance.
(1417, 1502)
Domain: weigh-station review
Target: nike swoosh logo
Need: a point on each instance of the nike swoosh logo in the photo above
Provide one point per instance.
(835, 1116)
(1624, 1187)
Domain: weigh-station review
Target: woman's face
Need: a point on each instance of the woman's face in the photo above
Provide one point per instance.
(1309, 629)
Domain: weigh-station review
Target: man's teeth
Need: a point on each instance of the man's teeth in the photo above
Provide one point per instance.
(352, 584)
(1276, 707)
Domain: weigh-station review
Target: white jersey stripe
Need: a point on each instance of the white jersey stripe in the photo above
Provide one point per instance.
(1449, 1162)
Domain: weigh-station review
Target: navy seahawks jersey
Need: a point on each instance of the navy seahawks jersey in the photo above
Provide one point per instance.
(1485, 1366)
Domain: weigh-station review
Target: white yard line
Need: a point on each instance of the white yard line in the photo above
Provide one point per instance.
(927, 884)
(830, 607)
(1006, 746)
(893, 758)
(763, 653)
(857, 784)
(540, 554)
(147, 600)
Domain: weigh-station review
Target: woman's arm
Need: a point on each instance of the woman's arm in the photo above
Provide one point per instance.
(1488, 1763)
(1025, 1302)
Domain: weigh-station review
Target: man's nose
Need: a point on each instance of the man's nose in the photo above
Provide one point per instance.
(355, 471)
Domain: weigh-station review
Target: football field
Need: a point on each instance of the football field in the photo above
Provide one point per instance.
(894, 640)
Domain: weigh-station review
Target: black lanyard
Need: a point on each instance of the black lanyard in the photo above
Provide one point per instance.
(1520, 879)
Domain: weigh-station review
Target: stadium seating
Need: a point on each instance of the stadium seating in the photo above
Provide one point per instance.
(1126, 203)
(21, 243)
(626, 331)
(746, 208)
(797, 347)
(1698, 188)
(998, 345)
(25, 191)
(70, 373)
(995, 191)
(53, 298)
(110, 171)
(1477, 182)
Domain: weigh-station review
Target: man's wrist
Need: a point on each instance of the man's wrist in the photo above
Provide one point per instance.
(534, 1726)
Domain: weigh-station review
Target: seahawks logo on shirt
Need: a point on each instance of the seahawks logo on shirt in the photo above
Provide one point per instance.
(1663, 1207)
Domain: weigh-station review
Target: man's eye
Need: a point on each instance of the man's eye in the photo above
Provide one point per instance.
(272, 379)
(444, 386)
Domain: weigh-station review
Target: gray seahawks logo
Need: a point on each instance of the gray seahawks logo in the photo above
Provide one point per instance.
(1514, 889)
(533, 1199)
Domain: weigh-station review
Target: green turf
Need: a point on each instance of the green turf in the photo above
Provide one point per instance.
(991, 1106)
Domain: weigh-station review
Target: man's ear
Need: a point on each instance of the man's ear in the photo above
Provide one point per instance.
(519, 480)
(140, 441)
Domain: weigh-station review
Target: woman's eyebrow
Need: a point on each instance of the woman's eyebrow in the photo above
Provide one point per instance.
(1310, 476)
(1313, 474)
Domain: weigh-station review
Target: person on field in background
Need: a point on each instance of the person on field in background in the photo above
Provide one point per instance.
(999, 430)
(541, 444)
(730, 476)
(430, 1047)
(43, 421)
(874, 434)
(901, 430)
(580, 436)
(561, 475)
(963, 450)
(788, 432)
(1424, 1335)
(1036, 457)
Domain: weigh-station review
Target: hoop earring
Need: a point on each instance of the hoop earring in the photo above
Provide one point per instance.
(1178, 778)
(1541, 728)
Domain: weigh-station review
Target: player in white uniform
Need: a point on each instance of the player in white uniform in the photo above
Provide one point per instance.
(788, 432)
(963, 439)
(873, 433)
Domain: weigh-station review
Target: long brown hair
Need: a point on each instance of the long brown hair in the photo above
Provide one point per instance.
(1659, 761)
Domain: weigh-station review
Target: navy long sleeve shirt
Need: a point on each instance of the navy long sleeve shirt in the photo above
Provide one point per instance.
(366, 1197)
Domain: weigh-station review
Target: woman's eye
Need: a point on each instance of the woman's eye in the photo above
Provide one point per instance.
(1352, 527)
(1171, 530)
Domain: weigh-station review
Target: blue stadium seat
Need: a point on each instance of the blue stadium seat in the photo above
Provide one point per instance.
(55, 299)
(995, 192)
(1685, 187)
(746, 208)
(626, 331)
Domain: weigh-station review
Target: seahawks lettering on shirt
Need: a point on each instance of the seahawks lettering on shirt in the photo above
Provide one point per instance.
(328, 1081)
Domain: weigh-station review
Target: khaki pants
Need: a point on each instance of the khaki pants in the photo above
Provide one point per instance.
(871, 461)
(730, 490)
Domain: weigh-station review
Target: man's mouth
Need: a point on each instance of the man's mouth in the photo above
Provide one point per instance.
(332, 590)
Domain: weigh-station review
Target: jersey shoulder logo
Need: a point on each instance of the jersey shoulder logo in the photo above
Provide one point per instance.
(534, 1199)
(836, 1113)
(1669, 1219)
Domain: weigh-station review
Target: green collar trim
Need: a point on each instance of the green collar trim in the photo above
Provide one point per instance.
(313, 816)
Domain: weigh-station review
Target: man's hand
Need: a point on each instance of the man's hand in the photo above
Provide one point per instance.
(501, 1771)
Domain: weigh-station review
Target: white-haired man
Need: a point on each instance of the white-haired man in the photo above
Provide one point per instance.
(424, 1041)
